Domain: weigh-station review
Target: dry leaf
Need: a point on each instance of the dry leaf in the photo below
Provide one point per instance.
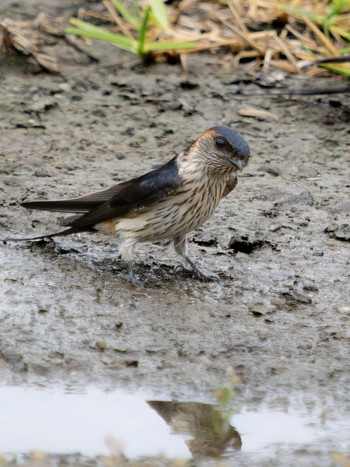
(23, 37)
(340, 458)
(259, 114)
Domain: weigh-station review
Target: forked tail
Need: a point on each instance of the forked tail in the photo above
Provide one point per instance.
(63, 233)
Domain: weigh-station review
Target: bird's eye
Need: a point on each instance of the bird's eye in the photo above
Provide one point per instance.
(220, 143)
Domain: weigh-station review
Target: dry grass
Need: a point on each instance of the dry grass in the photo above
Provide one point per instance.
(289, 35)
(26, 38)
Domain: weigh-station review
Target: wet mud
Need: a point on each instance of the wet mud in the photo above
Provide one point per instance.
(278, 318)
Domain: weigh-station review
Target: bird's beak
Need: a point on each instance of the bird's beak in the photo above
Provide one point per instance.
(237, 163)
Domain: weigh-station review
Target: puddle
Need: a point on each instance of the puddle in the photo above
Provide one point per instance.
(59, 422)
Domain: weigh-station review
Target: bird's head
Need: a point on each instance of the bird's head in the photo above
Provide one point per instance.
(222, 149)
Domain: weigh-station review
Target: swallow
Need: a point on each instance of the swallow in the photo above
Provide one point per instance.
(206, 425)
(165, 204)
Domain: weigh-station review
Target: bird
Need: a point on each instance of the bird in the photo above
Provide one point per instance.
(165, 204)
(207, 427)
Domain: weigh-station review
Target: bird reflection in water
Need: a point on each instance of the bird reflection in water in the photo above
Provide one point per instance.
(211, 434)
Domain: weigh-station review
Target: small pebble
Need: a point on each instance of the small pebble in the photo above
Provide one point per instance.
(101, 344)
(343, 309)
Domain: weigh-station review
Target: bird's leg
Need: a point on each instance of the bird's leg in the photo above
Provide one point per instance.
(133, 279)
(180, 246)
(126, 251)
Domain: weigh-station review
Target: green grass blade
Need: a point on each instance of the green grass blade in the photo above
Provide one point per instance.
(85, 26)
(129, 17)
(94, 32)
(297, 11)
(159, 13)
(325, 26)
(142, 49)
(338, 6)
(341, 32)
(337, 69)
(164, 46)
(333, 16)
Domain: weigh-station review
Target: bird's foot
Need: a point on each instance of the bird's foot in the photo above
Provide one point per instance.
(133, 279)
(204, 277)
(197, 274)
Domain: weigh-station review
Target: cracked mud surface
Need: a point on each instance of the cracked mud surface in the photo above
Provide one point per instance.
(279, 243)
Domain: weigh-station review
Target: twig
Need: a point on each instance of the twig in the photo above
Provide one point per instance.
(117, 19)
(318, 33)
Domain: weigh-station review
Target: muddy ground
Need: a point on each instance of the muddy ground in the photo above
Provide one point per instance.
(279, 243)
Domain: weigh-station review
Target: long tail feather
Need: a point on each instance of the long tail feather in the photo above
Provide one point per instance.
(71, 231)
(61, 205)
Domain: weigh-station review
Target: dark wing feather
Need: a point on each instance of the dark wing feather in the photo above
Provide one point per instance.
(231, 184)
(82, 204)
(135, 194)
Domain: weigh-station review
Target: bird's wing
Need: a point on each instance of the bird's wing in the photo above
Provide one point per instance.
(91, 201)
(82, 204)
(122, 199)
(133, 195)
(231, 183)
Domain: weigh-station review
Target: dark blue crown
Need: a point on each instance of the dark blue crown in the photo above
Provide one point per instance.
(233, 138)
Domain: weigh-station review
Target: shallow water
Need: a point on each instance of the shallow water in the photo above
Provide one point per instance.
(94, 423)
(68, 315)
